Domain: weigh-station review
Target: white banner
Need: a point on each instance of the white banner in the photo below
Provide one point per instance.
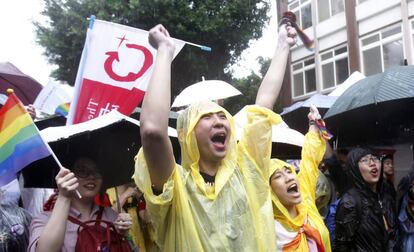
(51, 96)
(116, 66)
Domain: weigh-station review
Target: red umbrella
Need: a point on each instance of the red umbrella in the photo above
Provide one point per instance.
(25, 87)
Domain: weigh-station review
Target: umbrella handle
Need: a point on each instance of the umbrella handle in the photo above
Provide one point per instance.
(118, 204)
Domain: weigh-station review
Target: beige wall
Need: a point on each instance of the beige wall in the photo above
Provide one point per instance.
(403, 159)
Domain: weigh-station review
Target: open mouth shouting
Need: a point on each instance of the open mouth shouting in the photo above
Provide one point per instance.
(219, 141)
(374, 172)
(293, 190)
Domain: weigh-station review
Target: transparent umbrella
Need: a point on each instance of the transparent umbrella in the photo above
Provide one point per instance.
(287, 142)
(205, 90)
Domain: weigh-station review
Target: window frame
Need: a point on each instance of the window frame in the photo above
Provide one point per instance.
(300, 5)
(330, 10)
(302, 70)
(333, 59)
(412, 33)
(380, 43)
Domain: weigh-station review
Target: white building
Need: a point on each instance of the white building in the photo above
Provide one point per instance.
(370, 36)
(350, 35)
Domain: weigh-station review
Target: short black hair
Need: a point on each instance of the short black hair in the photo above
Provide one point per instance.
(387, 156)
(82, 163)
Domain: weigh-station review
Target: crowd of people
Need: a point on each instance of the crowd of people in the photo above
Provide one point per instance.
(223, 195)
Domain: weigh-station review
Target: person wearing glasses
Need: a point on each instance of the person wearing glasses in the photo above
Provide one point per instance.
(51, 230)
(360, 221)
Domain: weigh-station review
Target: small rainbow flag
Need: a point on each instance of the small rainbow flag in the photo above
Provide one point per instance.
(63, 109)
(20, 141)
(323, 131)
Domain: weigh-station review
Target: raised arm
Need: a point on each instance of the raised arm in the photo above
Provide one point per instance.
(157, 147)
(53, 234)
(272, 82)
(312, 153)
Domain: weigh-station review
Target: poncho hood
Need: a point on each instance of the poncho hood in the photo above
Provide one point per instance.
(186, 123)
(353, 159)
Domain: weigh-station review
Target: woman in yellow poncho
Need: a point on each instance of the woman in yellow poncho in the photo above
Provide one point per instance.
(298, 224)
(218, 199)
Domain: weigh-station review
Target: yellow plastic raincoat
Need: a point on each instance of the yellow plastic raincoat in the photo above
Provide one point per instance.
(312, 153)
(235, 214)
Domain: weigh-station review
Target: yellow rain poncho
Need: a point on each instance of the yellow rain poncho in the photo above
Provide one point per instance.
(312, 153)
(235, 214)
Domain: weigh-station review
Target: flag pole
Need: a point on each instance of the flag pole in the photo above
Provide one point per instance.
(79, 75)
(51, 152)
(92, 18)
(54, 156)
(10, 91)
(202, 47)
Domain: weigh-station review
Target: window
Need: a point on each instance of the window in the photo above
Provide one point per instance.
(335, 68)
(328, 8)
(304, 77)
(382, 50)
(303, 11)
(412, 28)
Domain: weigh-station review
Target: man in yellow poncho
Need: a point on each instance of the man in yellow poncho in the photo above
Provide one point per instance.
(298, 224)
(218, 199)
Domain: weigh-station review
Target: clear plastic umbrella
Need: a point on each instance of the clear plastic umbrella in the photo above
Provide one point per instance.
(205, 90)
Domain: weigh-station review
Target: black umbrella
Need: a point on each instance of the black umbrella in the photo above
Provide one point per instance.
(52, 121)
(112, 140)
(296, 115)
(286, 151)
(376, 110)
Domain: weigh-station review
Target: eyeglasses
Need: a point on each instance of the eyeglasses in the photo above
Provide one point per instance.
(85, 174)
(366, 160)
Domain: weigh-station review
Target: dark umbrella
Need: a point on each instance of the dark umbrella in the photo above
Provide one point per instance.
(286, 151)
(25, 87)
(52, 121)
(296, 115)
(376, 110)
(112, 140)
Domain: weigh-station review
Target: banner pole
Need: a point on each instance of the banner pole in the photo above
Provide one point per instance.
(79, 75)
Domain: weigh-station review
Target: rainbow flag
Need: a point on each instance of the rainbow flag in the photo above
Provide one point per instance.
(20, 141)
(63, 109)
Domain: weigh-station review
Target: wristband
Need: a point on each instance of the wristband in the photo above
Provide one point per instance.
(323, 131)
